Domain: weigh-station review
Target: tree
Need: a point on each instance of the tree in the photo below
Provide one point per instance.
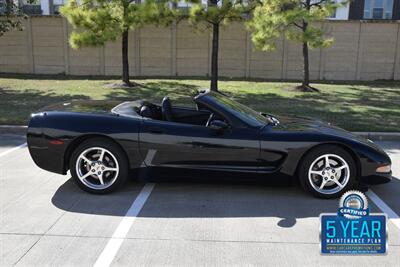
(11, 17)
(295, 19)
(216, 12)
(97, 21)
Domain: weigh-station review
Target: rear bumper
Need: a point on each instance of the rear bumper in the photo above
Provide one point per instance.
(47, 159)
(45, 156)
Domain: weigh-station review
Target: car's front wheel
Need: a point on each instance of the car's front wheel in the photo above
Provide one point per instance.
(328, 172)
(98, 166)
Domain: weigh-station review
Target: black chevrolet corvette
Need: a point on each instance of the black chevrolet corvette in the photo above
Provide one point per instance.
(99, 142)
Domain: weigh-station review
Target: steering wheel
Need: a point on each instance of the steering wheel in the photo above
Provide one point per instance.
(210, 119)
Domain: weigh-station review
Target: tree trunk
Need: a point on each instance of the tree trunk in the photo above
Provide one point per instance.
(306, 78)
(125, 61)
(214, 57)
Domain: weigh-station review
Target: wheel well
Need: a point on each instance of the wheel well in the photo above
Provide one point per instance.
(346, 148)
(79, 140)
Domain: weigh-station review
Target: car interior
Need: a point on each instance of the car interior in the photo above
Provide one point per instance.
(167, 112)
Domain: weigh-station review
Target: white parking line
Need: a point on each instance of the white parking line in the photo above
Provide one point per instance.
(393, 216)
(113, 245)
(13, 149)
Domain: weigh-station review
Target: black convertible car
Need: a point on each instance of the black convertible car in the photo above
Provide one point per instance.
(99, 142)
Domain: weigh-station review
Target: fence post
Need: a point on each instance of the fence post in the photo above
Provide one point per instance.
(321, 57)
(136, 51)
(321, 64)
(102, 66)
(29, 44)
(248, 55)
(173, 50)
(284, 58)
(66, 48)
(396, 56)
(359, 54)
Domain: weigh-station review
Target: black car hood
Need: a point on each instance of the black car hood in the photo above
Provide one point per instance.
(298, 123)
(304, 124)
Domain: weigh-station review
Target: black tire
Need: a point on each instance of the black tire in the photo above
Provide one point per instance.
(314, 155)
(116, 152)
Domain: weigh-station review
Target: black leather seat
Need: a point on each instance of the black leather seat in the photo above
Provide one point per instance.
(166, 109)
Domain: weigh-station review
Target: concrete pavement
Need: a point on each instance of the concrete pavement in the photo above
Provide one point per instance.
(46, 220)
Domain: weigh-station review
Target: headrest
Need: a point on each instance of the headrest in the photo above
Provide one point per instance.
(146, 111)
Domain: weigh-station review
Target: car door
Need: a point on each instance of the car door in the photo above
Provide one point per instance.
(231, 149)
(171, 144)
(165, 143)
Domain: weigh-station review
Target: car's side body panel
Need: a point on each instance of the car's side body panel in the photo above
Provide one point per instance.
(50, 135)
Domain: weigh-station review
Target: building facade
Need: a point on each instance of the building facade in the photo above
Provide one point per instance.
(342, 12)
(374, 9)
(353, 10)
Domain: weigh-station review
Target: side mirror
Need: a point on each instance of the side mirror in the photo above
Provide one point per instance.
(218, 125)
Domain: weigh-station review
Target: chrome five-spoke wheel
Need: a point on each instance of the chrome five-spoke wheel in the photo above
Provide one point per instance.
(99, 166)
(329, 173)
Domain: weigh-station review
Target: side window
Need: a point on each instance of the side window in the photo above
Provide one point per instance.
(215, 117)
(199, 116)
(192, 115)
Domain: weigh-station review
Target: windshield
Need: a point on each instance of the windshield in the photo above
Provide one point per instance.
(244, 113)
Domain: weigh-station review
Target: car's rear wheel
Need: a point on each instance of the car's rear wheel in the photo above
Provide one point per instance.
(98, 166)
(328, 171)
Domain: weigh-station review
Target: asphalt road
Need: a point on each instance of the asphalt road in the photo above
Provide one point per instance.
(47, 220)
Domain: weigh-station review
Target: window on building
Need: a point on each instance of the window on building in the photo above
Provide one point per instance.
(378, 9)
(57, 4)
(30, 7)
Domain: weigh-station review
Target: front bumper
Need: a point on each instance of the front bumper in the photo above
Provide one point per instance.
(377, 178)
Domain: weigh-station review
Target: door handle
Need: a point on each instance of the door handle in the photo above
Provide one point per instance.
(155, 130)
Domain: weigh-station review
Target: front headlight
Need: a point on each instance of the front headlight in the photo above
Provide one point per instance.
(384, 169)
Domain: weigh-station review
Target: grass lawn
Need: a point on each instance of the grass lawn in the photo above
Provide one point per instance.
(371, 106)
